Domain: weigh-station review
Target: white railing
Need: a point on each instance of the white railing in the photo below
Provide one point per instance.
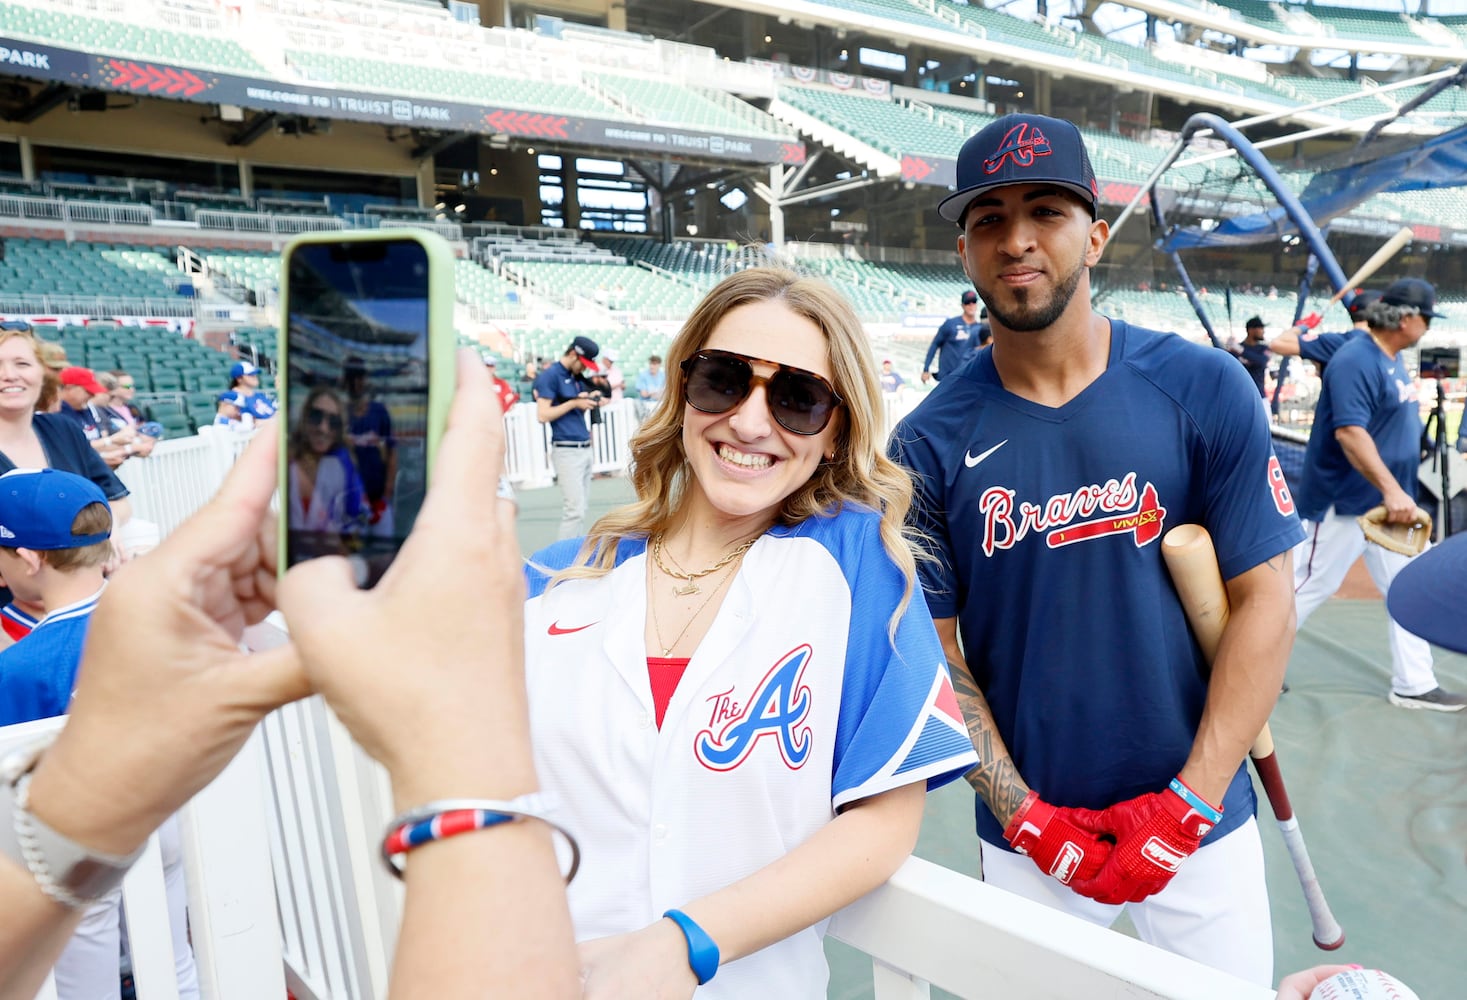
(233, 928)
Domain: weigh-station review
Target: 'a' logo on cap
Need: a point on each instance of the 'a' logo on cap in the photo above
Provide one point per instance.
(1021, 144)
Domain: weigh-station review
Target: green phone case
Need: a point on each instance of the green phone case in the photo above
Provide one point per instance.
(441, 340)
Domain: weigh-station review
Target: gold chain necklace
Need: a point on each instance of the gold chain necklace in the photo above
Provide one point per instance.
(667, 647)
(691, 584)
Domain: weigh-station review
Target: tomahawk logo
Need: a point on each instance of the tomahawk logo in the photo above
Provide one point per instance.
(1021, 144)
(777, 708)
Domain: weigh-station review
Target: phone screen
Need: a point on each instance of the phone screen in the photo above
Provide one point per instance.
(356, 400)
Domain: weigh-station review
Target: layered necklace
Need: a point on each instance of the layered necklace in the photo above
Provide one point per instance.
(690, 580)
(690, 586)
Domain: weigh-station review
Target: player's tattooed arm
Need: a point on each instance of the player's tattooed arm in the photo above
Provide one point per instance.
(995, 779)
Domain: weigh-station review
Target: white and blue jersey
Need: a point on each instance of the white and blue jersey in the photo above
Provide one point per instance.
(38, 674)
(260, 406)
(795, 704)
(1046, 524)
(1363, 387)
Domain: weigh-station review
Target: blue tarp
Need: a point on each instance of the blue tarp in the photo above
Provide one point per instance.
(1438, 162)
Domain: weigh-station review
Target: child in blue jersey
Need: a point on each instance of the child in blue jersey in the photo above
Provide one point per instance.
(55, 531)
(735, 689)
(1047, 471)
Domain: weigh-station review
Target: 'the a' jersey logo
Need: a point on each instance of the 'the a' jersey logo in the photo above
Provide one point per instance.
(777, 709)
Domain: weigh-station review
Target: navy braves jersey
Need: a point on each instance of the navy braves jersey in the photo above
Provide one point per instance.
(1255, 362)
(1363, 387)
(1051, 520)
(1320, 347)
(795, 704)
(557, 384)
(954, 344)
(37, 675)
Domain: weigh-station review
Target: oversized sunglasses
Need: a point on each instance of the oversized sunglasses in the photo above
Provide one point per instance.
(316, 415)
(799, 401)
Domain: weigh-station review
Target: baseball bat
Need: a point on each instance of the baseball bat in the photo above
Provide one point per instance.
(1192, 562)
(1377, 260)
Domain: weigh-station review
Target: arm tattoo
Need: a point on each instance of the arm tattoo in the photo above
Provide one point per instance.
(995, 779)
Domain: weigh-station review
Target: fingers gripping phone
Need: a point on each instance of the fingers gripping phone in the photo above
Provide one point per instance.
(366, 352)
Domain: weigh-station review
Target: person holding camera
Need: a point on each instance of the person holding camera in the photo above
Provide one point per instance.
(561, 400)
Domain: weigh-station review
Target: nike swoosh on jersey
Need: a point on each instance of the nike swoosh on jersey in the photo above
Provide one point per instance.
(971, 459)
(555, 628)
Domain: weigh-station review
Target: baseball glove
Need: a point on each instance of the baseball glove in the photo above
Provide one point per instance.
(1407, 539)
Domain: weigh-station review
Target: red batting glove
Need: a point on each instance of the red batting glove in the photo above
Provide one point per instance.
(1308, 322)
(1155, 833)
(1057, 840)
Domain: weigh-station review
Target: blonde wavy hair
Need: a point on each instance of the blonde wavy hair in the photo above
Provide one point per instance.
(860, 472)
(50, 381)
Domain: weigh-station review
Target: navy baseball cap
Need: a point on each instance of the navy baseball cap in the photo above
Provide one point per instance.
(1412, 292)
(37, 507)
(1362, 299)
(1022, 149)
(242, 368)
(586, 349)
(1252, 322)
(1428, 595)
(970, 297)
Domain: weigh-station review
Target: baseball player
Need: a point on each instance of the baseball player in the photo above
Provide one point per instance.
(956, 340)
(1054, 463)
(735, 691)
(561, 400)
(1363, 451)
(1301, 340)
(1253, 352)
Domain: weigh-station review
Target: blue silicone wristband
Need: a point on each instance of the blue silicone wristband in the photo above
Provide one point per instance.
(702, 952)
(1207, 811)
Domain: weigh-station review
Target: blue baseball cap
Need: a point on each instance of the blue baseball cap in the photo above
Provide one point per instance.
(37, 507)
(1413, 292)
(1022, 149)
(242, 368)
(1428, 595)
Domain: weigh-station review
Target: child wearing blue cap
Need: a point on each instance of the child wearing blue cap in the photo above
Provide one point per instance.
(55, 531)
(231, 411)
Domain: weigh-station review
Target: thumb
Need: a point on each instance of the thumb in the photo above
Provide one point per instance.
(271, 678)
(314, 591)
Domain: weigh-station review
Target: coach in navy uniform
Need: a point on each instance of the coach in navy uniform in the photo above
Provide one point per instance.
(957, 339)
(561, 400)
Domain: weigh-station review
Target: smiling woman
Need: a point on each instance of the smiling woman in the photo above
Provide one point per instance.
(31, 440)
(735, 687)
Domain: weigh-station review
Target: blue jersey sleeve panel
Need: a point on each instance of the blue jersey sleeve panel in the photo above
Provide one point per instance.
(891, 685)
(1046, 524)
(553, 558)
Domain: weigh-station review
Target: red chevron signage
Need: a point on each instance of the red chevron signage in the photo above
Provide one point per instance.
(527, 123)
(162, 81)
(915, 169)
(792, 153)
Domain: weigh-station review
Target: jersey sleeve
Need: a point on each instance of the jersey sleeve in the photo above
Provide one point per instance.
(1250, 512)
(547, 387)
(932, 348)
(899, 719)
(927, 516)
(1321, 347)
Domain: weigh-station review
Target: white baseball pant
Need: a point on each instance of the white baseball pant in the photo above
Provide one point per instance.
(1214, 911)
(1330, 547)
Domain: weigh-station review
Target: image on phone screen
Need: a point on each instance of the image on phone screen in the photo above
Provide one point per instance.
(356, 400)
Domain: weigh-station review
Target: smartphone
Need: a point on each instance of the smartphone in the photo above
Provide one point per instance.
(366, 354)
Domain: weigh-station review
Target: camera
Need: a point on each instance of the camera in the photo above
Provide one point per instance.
(595, 397)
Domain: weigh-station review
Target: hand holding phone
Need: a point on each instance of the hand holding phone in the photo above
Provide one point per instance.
(367, 355)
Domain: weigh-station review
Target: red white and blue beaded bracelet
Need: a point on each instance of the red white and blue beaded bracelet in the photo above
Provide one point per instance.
(448, 817)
